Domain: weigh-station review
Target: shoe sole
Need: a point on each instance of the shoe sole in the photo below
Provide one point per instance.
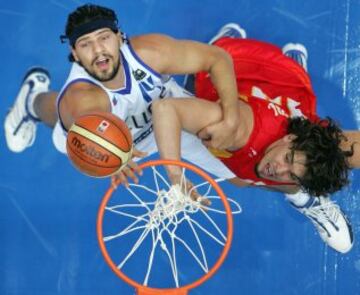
(295, 46)
(229, 25)
(32, 70)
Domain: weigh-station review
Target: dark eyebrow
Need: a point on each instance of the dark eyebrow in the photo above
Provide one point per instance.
(103, 31)
(82, 39)
(291, 160)
(98, 33)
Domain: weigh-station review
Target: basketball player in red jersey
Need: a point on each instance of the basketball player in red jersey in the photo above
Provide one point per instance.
(280, 144)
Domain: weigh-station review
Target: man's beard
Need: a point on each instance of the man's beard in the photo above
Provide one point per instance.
(107, 77)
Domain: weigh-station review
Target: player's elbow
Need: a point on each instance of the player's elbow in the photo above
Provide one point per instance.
(222, 54)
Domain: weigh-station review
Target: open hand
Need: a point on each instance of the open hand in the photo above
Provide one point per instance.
(187, 186)
(131, 170)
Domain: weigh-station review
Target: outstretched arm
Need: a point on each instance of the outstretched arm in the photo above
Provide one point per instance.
(84, 98)
(170, 116)
(80, 99)
(170, 56)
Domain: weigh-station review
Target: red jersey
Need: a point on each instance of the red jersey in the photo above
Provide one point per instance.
(275, 87)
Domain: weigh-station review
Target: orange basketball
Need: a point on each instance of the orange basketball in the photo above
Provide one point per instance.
(99, 144)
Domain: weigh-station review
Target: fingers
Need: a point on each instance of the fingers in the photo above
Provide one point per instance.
(114, 182)
(216, 137)
(194, 195)
(174, 173)
(134, 167)
(211, 137)
(119, 178)
(204, 134)
(205, 202)
(123, 176)
(129, 173)
(138, 154)
(207, 143)
(131, 170)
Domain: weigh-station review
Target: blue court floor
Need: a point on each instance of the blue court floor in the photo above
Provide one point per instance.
(48, 210)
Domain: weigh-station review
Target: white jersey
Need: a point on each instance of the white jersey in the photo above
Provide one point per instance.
(132, 103)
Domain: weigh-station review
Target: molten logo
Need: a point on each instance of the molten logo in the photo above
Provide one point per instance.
(103, 126)
(89, 150)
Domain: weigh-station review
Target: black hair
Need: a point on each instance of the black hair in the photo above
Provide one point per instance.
(327, 165)
(86, 14)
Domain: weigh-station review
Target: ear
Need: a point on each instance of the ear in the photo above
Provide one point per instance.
(289, 137)
(73, 52)
(120, 37)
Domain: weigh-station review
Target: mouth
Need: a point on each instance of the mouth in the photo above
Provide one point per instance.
(102, 63)
(268, 170)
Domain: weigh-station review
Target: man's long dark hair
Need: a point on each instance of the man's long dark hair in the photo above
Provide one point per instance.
(86, 14)
(327, 165)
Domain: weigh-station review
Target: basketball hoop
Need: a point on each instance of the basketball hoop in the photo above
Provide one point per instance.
(165, 214)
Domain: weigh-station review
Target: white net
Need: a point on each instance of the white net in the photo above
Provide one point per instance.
(163, 221)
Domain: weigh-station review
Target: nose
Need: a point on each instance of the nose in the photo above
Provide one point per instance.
(282, 169)
(97, 47)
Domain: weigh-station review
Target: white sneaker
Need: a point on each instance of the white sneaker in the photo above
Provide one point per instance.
(20, 122)
(231, 30)
(297, 52)
(331, 223)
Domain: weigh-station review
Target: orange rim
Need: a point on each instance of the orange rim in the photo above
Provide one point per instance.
(182, 290)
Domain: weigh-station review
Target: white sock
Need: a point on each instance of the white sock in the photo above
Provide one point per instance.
(299, 199)
(30, 104)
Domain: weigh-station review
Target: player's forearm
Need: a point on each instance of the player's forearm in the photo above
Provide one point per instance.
(223, 78)
(170, 116)
(167, 130)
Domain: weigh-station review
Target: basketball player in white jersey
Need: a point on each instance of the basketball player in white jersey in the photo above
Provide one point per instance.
(114, 74)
